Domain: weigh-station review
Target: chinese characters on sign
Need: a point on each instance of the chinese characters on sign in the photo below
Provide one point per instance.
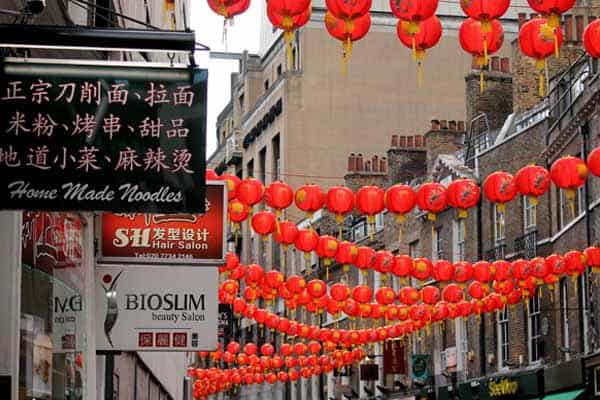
(71, 141)
(168, 238)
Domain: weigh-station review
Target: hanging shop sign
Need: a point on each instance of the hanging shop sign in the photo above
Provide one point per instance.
(418, 367)
(225, 321)
(369, 372)
(156, 309)
(102, 137)
(168, 238)
(393, 357)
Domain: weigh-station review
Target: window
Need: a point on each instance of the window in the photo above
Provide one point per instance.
(459, 240)
(262, 165)
(462, 343)
(379, 221)
(570, 209)
(564, 315)
(266, 85)
(499, 232)
(276, 167)
(413, 249)
(294, 58)
(533, 331)
(503, 338)
(279, 70)
(529, 214)
(241, 103)
(250, 168)
(436, 245)
(360, 230)
(103, 13)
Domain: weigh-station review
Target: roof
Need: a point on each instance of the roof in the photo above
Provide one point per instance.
(452, 163)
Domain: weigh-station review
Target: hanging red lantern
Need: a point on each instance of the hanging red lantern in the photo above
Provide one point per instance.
(500, 188)
(288, 16)
(463, 272)
(287, 234)
(347, 31)
(348, 10)
(237, 213)
(551, 9)
(239, 306)
(419, 38)
(593, 161)
(556, 264)
(477, 290)
(279, 196)
(300, 348)
(231, 183)
(485, 11)
(250, 191)
(482, 272)
(254, 274)
(310, 199)
(230, 287)
(462, 195)
(533, 181)
(569, 173)
(443, 271)
(591, 40)
(340, 201)
(228, 8)
(339, 292)
(362, 294)
(402, 267)
(452, 293)
(422, 269)
(370, 202)
(575, 263)
(263, 223)
(400, 200)
(385, 295)
(267, 349)
(480, 39)
(539, 269)
(233, 347)
(316, 288)
(592, 255)
(521, 269)
(295, 284)
(432, 197)
(384, 261)
(307, 241)
(274, 279)
(413, 11)
(408, 295)
(250, 349)
(502, 270)
(350, 308)
(327, 248)
(365, 259)
(539, 39)
(346, 255)
(430, 295)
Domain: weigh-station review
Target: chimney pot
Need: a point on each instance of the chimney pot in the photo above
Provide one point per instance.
(505, 65)
(495, 63)
(368, 166)
(351, 163)
(452, 125)
(383, 165)
(461, 126)
(375, 163)
(359, 163)
(394, 140)
(410, 141)
(522, 19)
(443, 124)
(579, 27)
(435, 124)
(419, 141)
(402, 141)
(568, 28)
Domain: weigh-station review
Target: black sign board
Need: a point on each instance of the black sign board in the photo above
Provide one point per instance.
(225, 321)
(5, 387)
(369, 372)
(102, 137)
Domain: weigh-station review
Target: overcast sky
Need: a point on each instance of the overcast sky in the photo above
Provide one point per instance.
(244, 34)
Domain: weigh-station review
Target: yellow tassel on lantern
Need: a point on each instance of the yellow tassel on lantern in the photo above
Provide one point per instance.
(570, 193)
(541, 67)
(485, 52)
(420, 56)
(288, 36)
(399, 220)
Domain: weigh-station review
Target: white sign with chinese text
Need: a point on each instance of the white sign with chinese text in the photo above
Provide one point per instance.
(156, 308)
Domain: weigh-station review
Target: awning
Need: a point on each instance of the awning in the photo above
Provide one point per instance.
(572, 395)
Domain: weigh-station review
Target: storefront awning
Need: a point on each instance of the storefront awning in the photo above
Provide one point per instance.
(572, 395)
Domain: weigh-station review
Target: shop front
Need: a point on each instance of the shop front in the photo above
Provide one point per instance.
(526, 385)
(592, 373)
(565, 381)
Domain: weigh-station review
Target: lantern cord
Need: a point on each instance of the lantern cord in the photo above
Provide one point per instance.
(481, 84)
(224, 36)
(542, 81)
(289, 37)
(556, 50)
(414, 48)
(485, 52)
(419, 74)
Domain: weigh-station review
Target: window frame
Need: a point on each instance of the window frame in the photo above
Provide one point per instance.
(459, 243)
(499, 226)
(534, 320)
(503, 342)
(529, 210)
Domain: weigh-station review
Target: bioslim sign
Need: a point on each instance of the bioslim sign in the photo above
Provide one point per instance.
(141, 309)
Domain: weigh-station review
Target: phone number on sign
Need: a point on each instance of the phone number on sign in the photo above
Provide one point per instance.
(162, 255)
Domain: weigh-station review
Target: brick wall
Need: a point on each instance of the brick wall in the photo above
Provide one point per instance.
(444, 137)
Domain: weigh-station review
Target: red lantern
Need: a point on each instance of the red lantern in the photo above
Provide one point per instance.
(365, 259)
(413, 11)
(295, 284)
(346, 255)
(443, 271)
(432, 197)
(569, 173)
(348, 10)
(263, 223)
(521, 269)
(250, 349)
(452, 293)
(482, 272)
(230, 287)
(307, 241)
(591, 42)
(502, 270)
(309, 198)
(419, 37)
(228, 8)
(347, 31)
(539, 269)
(233, 347)
(593, 160)
(463, 271)
(422, 269)
(316, 288)
(362, 294)
(314, 347)
(556, 264)
(231, 183)
(551, 9)
(237, 213)
(288, 16)
(254, 274)
(499, 188)
(384, 261)
(274, 279)
(533, 181)
(287, 234)
(477, 290)
(400, 200)
(385, 295)
(402, 267)
(300, 348)
(593, 257)
(480, 39)
(370, 202)
(408, 295)
(340, 201)
(339, 292)
(267, 349)
(539, 38)
(250, 191)
(575, 263)
(279, 195)
(283, 376)
(485, 11)
(327, 248)
(463, 194)
(430, 295)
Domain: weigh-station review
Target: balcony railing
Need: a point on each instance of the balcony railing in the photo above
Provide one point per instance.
(233, 150)
(526, 245)
(496, 253)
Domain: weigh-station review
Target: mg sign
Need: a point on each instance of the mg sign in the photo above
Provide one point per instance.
(154, 309)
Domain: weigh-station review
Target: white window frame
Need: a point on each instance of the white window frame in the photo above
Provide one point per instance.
(534, 334)
(499, 226)
(380, 221)
(459, 242)
(413, 249)
(503, 338)
(565, 209)
(462, 341)
(529, 210)
(564, 309)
